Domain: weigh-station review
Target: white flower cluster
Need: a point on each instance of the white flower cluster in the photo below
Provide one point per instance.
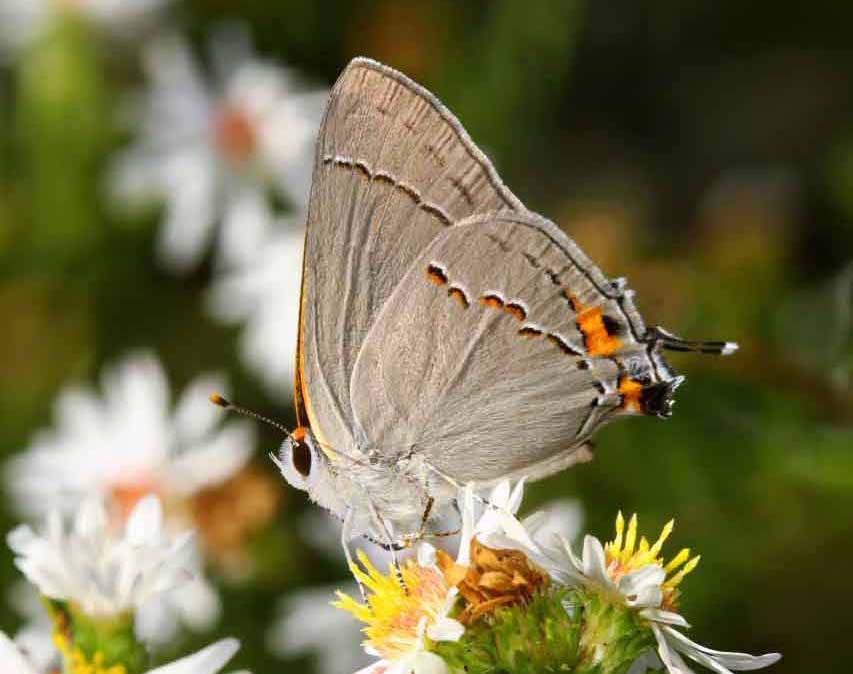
(208, 660)
(107, 573)
(104, 574)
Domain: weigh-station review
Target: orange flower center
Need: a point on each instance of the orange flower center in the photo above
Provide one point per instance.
(235, 135)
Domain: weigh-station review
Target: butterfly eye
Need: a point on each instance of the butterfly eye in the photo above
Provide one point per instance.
(301, 458)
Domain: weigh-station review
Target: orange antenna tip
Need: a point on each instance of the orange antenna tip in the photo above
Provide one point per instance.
(217, 399)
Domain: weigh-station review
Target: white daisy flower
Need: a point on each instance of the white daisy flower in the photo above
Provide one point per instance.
(104, 572)
(22, 21)
(212, 149)
(129, 443)
(635, 573)
(262, 293)
(209, 660)
(405, 607)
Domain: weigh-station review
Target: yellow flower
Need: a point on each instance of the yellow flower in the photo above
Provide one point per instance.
(398, 614)
(624, 555)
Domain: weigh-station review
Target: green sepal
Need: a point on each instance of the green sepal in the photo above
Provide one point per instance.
(562, 630)
(613, 636)
(112, 637)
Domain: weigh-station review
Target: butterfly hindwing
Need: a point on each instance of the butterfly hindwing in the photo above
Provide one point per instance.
(494, 373)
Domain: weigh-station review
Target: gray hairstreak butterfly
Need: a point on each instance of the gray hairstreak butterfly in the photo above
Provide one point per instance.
(447, 333)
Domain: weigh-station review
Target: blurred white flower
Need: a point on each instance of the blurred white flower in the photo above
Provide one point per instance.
(129, 443)
(35, 638)
(212, 150)
(263, 293)
(304, 624)
(103, 571)
(208, 660)
(22, 21)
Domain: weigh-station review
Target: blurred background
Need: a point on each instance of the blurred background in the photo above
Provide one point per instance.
(155, 162)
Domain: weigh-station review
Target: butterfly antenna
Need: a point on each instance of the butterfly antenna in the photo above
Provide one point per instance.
(225, 404)
(671, 342)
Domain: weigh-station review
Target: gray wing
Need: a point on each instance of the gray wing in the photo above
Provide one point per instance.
(393, 169)
(486, 357)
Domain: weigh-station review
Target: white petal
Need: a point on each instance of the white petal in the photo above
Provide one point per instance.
(209, 464)
(12, 659)
(446, 629)
(666, 617)
(670, 658)
(426, 554)
(720, 661)
(500, 494)
(246, 224)
(20, 539)
(206, 661)
(467, 532)
(594, 564)
(642, 588)
(144, 525)
(515, 498)
(428, 663)
(195, 416)
(91, 519)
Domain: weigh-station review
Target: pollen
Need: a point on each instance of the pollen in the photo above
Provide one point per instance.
(625, 554)
(393, 612)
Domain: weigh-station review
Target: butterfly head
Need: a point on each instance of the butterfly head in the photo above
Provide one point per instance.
(306, 467)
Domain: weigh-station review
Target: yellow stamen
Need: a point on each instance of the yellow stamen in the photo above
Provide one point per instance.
(678, 577)
(667, 530)
(393, 611)
(620, 527)
(636, 553)
(677, 561)
(631, 536)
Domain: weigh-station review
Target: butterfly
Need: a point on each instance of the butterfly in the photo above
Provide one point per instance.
(447, 333)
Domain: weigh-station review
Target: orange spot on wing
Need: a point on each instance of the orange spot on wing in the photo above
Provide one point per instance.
(631, 390)
(590, 321)
(435, 275)
(492, 301)
(459, 296)
(515, 310)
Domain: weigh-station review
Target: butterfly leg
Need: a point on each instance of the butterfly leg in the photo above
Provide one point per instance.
(382, 528)
(346, 534)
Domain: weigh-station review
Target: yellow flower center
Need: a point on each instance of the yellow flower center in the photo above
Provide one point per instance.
(392, 612)
(624, 555)
(76, 661)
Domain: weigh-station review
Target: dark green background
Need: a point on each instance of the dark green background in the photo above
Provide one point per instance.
(703, 149)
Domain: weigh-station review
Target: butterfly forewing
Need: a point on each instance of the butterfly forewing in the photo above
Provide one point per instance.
(393, 169)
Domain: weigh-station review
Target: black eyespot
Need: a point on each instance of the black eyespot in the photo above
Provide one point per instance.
(611, 325)
(302, 458)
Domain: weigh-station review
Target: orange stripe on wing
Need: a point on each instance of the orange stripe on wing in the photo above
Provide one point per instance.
(590, 320)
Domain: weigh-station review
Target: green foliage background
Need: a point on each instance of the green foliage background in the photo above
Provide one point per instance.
(703, 149)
